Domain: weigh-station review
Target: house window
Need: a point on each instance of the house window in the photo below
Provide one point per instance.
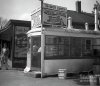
(88, 44)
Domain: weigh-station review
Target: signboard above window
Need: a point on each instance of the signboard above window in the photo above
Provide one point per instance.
(53, 16)
(21, 41)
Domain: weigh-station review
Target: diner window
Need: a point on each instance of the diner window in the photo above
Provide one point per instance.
(75, 46)
(88, 44)
(51, 50)
(56, 46)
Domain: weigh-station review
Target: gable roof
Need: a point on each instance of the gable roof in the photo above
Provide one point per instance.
(81, 18)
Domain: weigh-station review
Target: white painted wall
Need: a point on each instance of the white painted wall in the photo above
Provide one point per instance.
(72, 65)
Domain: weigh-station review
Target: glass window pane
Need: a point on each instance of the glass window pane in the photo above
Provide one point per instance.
(75, 46)
(51, 50)
(51, 40)
(88, 44)
(61, 49)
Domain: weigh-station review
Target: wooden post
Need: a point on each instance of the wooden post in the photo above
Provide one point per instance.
(66, 18)
(69, 46)
(96, 19)
(29, 55)
(42, 54)
(13, 45)
(1, 44)
(42, 41)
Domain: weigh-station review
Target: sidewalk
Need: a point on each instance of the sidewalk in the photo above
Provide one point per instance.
(18, 78)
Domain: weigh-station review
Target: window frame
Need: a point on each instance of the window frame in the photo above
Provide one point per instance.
(59, 44)
(90, 44)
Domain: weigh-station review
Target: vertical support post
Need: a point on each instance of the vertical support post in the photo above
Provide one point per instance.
(31, 49)
(66, 18)
(96, 19)
(29, 56)
(11, 52)
(69, 46)
(81, 48)
(42, 41)
(1, 43)
(13, 45)
(42, 54)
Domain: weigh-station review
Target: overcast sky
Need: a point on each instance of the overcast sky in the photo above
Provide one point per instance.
(21, 9)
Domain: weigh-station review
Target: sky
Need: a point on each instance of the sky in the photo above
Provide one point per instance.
(21, 9)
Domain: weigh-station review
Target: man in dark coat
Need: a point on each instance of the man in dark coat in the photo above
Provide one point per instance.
(4, 56)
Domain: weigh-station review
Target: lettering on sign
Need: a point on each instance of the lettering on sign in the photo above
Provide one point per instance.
(21, 41)
(53, 16)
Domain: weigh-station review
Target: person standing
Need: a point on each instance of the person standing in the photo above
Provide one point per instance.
(4, 56)
(35, 50)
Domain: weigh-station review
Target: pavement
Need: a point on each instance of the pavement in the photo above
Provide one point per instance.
(19, 78)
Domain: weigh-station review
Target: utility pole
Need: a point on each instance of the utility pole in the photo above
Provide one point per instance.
(42, 41)
(41, 15)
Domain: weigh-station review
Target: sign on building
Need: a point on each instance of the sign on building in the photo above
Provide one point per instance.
(21, 41)
(53, 16)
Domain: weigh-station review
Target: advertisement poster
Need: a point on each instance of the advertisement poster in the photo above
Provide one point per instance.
(21, 41)
(53, 16)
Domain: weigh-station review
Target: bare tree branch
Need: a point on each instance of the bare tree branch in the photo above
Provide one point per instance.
(2, 22)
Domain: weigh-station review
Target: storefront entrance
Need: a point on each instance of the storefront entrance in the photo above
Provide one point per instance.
(34, 46)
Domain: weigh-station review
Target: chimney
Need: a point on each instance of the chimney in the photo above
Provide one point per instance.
(78, 6)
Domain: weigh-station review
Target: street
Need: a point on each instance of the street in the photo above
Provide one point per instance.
(18, 78)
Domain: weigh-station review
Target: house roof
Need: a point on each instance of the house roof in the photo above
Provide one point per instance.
(78, 18)
(19, 22)
(7, 31)
(16, 22)
(81, 18)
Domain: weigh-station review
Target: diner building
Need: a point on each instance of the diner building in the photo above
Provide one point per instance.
(65, 39)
